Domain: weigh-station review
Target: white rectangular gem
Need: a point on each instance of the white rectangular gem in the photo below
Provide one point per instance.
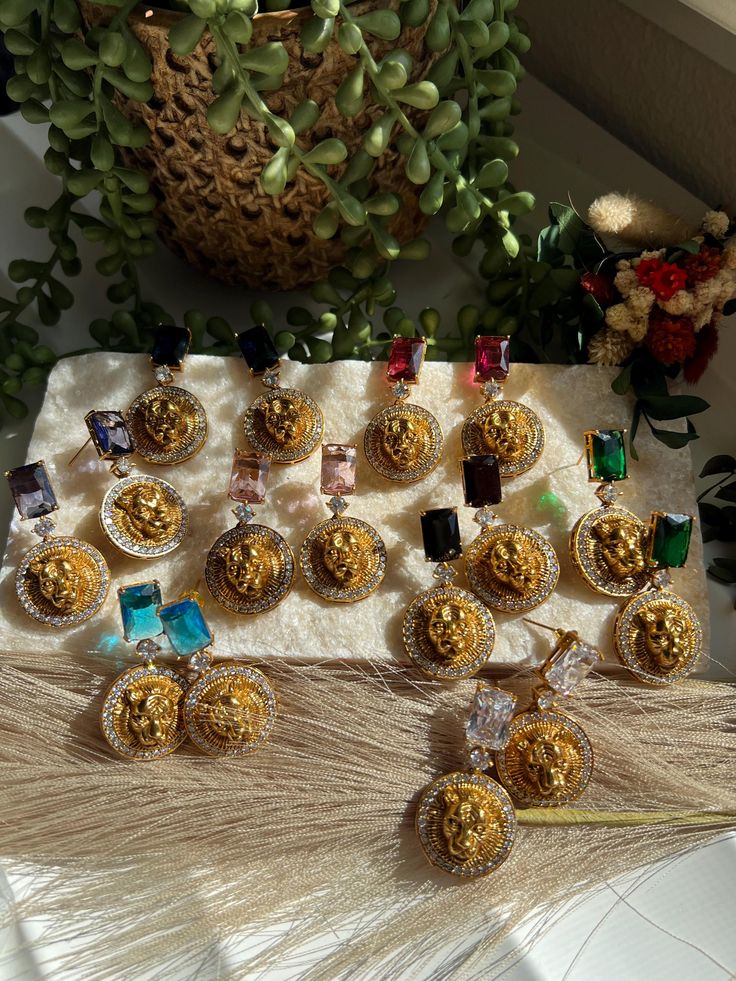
(571, 665)
(490, 715)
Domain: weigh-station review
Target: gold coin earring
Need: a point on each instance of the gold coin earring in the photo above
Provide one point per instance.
(230, 707)
(547, 759)
(61, 580)
(511, 568)
(342, 559)
(168, 424)
(250, 568)
(607, 544)
(657, 634)
(142, 716)
(448, 633)
(404, 442)
(143, 516)
(465, 820)
(509, 430)
(284, 423)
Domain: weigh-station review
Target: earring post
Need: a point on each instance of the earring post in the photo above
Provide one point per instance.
(545, 626)
(88, 440)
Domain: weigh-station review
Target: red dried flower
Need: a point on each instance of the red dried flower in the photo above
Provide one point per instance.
(646, 269)
(671, 339)
(706, 346)
(702, 265)
(599, 287)
(667, 281)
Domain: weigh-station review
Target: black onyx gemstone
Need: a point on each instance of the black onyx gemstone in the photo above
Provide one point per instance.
(481, 481)
(441, 535)
(258, 349)
(109, 433)
(170, 345)
(31, 489)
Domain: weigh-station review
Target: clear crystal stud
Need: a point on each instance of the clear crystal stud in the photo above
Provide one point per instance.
(162, 375)
(147, 648)
(444, 572)
(400, 390)
(200, 661)
(44, 527)
(491, 712)
(244, 513)
(337, 505)
(545, 698)
(491, 389)
(606, 493)
(270, 379)
(660, 578)
(485, 517)
(570, 664)
(122, 468)
(480, 758)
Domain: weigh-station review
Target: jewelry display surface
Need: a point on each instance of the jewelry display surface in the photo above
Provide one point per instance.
(549, 498)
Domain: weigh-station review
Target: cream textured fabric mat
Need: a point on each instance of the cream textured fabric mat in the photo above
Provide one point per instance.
(568, 400)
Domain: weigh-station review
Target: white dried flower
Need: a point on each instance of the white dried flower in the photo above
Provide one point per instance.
(631, 218)
(716, 223)
(638, 329)
(626, 281)
(609, 347)
(649, 254)
(729, 254)
(640, 301)
(706, 293)
(618, 317)
(623, 264)
(702, 318)
(679, 304)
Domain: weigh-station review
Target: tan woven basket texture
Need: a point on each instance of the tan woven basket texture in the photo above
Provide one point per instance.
(212, 210)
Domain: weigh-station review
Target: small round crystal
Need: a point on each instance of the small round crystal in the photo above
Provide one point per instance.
(337, 504)
(661, 578)
(400, 390)
(444, 572)
(545, 698)
(485, 517)
(44, 527)
(606, 493)
(147, 648)
(480, 758)
(244, 513)
(162, 375)
(200, 661)
(122, 467)
(491, 389)
(270, 378)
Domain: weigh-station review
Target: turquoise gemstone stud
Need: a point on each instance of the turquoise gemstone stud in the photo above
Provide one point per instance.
(139, 605)
(185, 626)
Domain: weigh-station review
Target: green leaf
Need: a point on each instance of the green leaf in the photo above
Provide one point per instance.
(102, 154)
(137, 65)
(377, 138)
(418, 168)
(113, 48)
(224, 112)
(384, 204)
(60, 294)
(414, 13)
(326, 8)
(316, 34)
(475, 32)
(622, 382)
(444, 117)
(83, 182)
(349, 94)
(304, 116)
(185, 34)
(360, 166)
(76, 55)
(392, 75)
(275, 174)
(69, 113)
(19, 43)
(416, 250)
(494, 173)
(14, 12)
(420, 95)
(280, 131)
(723, 463)
(270, 58)
(66, 16)
(433, 195)
(34, 111)
(350, 208)
(498, 82)
(38, 66)
(330, 151)
(133, 179)
(380, 23)
(238, 27)
(350, 38)
(387, 246)
(727, 492)
(137, 91)
(438, 33)
(455, 139)
(520, 203)
(673, 406)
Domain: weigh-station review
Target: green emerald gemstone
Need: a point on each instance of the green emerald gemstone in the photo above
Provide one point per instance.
(606, 455)
(670, 539)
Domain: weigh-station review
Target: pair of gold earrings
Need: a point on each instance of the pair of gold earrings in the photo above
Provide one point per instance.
(226, 708)
(657, 635)
(465, 820)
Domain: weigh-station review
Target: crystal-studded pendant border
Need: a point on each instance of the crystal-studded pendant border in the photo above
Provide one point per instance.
(372, 560)
(451, 791)
(164, 504)
(140, 699)
(547, 759)
(650, 628)
(90, 571)
(597, 534)
(264, 580)
(542, 567)
(468, 625)
(306, 417)
(221, 706)
(512, 461)
(403, 442)
(191, 417)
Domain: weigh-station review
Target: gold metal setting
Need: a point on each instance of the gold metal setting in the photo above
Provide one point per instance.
(142, 713)
(285, 424)
(249, 569)
(168, 424)
(403, 442)
(230, 710)
(343, 559)
(510, 430)
(144, 516)
(658, 637)
(607, 548)
(62, 581)
(512, 569)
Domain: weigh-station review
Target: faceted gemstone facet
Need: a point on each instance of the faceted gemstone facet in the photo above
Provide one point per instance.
(170, 345)
(406, 358)
(606, 454)
(31, 489)
(441, 535)
(249, 476)
(492, 356)
(491, 712)
(185, 626)
(339, 463)
(139, 605)
(258, 349)
(669, 539)
(110, 434)
(570, 664)
(481, 481)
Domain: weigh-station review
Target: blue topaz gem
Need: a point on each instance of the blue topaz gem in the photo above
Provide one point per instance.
(31, 489)
(139, 605)
(258, 349)
(109, 434)
(184, 624)
(170, 345)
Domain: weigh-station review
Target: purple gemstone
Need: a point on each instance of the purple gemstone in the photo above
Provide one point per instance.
(339, 463)
(31, 489)
(109, 434)
(248, 476)
(481, 481)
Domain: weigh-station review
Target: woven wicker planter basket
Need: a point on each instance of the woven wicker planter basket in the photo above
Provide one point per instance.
(212, 211)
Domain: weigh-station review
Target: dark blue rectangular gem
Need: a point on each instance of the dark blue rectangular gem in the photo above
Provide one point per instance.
(170, 345)
(109, 434)
(31, 489)
(441, 535)
(258, 349)
(481, 481)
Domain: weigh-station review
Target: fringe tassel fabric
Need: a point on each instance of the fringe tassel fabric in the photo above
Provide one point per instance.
(303, 857)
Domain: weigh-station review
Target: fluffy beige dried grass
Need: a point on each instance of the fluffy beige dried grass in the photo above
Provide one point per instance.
(636, 221)
(310, 843)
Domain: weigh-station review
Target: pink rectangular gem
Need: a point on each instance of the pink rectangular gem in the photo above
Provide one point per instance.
(338, 468)
(492, 356)
(406, 359)
(248, 477)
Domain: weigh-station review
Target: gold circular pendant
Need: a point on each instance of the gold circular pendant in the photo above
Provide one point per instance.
(144, 517)
(142, 714)
(284, 423)
(465, 823)
(249, 569)
(511, 431)
(403, 442)
(448, 633)
(512, 569)
(343, 559)
(658, 637)
(230, 710)
(607, 547)
(62, 581)
(168, 424)
(547, 760)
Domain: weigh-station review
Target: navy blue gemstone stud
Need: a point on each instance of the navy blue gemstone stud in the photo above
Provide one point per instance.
(110, 434)
(258, 349)
(481, 481)
(31, 489)
(170, 345)
(441, 535)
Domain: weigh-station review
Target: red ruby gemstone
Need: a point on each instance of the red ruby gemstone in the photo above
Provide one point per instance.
(405, 359)
(492, 355)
